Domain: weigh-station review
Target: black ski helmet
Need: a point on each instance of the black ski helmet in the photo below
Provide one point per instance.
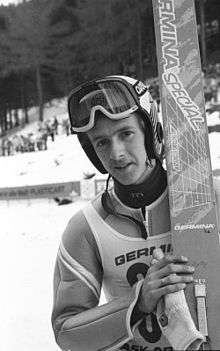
(148, 112)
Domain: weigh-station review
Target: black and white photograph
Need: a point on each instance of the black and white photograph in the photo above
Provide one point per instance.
(110, 175)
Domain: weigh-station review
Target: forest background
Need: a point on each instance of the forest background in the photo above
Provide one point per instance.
(47, 47)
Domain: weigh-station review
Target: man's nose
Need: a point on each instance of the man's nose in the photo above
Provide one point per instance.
(117, 150)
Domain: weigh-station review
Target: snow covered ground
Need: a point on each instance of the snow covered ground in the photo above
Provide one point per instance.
(30, 235)
(29, 239)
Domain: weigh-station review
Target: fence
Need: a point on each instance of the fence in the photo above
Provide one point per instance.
(86, 188)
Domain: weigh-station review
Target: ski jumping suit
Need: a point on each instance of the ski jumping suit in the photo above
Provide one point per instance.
(99, 250)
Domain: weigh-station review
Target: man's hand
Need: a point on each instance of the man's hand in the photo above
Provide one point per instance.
(167, 274)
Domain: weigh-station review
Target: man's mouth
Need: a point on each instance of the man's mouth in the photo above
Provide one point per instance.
(123, 167)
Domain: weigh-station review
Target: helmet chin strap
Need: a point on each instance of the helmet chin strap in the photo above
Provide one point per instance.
(137, 195)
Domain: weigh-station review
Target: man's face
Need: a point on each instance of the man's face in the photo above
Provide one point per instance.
(120, 147)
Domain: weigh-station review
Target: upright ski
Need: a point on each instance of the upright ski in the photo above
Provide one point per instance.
(192, 201)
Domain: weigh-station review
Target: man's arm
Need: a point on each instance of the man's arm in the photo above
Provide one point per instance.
(78, 322)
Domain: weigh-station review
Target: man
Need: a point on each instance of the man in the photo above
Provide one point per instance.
(121, 240)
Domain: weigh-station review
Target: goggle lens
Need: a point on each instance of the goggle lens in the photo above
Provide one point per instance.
(111, 96)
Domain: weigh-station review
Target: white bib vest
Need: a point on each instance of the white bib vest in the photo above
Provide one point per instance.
(125, 260)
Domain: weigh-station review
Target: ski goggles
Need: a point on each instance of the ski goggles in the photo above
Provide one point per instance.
(112, 96)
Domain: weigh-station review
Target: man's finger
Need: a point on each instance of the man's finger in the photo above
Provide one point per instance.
(158, 254)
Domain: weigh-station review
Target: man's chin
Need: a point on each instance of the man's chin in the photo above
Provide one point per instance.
(126, 179)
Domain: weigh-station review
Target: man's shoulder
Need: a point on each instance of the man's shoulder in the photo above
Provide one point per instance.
(78, 228)
(78, 218)
(79, 244)
(97, 204)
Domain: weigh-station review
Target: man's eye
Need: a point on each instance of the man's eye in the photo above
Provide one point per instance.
(127, 133)
(101, 143)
